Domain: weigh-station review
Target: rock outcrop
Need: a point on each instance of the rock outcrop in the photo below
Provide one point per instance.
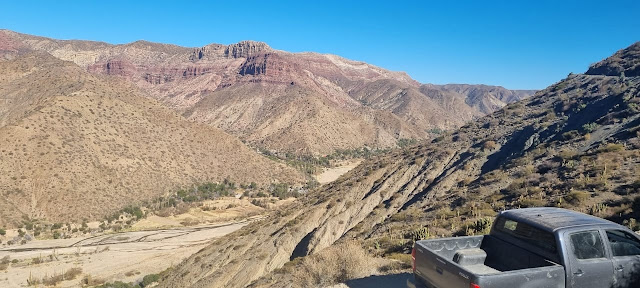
(114, 67)
(246, 49)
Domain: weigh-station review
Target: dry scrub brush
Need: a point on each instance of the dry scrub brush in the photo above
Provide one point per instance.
(333, 265)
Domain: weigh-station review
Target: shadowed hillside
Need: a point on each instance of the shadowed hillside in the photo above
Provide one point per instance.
(575, 145)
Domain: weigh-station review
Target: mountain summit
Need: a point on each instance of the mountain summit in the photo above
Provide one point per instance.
(305, 103)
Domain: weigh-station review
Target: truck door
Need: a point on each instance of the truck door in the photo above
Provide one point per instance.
(625, 251)
(589, 264)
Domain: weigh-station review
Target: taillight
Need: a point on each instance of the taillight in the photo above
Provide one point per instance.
(474, 285)
(413, 259)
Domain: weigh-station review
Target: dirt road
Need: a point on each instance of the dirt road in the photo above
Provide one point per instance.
(126, 256)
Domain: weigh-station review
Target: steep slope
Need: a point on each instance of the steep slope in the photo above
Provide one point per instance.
(575, 144)
(626, 60)
(295, 102)
(76, 146)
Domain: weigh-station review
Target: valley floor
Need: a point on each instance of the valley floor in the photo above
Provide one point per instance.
(126, 256)
(331, 174)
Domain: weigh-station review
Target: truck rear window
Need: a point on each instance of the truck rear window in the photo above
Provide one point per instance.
(526, 233)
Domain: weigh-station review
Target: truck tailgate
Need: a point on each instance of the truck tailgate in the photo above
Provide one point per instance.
(434, 266)
(440, 272)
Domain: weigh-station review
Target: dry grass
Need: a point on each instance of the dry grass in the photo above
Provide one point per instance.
(90, 281)
(54, 280)
(333, 265)
(4, 263)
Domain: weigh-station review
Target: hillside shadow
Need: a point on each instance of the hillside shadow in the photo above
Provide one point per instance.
(512, 149)
(380, 281)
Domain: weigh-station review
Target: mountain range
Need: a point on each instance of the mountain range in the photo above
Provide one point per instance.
(301, 103)
(90, 127)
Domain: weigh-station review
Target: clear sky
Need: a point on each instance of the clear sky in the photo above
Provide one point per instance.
(516, 44)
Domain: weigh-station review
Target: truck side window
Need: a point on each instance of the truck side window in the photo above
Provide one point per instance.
(587, 245)
(622, 243)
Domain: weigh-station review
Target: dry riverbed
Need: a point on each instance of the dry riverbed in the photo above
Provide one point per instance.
(126, 256)
(331, 174)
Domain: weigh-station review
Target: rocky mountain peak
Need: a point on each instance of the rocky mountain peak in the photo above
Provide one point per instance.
(626, 60)
(245, 49)
(242, 49)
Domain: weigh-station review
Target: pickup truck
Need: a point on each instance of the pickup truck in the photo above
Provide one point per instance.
(533, 248)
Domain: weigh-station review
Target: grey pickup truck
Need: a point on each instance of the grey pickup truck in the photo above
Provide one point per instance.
(533, 248)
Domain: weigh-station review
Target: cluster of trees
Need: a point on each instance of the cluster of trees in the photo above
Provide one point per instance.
(207, 191)
(309, 164)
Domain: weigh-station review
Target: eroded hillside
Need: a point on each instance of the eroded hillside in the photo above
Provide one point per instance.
(77, 146)
(575, 144)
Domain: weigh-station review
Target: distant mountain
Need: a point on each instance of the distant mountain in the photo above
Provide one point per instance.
(486, 99)
(76, 145)
(575, 144)
(306, 103)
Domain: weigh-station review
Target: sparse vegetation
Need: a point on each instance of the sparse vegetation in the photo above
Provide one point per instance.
(147, 281)
(4, 263)
(404, 142)
(489, 145)
(590, 127)
(91, 281)
(310, 164)
(333, 265)
(54, 280)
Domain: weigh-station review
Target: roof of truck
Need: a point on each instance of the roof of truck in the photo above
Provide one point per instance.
(552, 219)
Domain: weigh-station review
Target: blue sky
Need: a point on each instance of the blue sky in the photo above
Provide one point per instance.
(515, 44)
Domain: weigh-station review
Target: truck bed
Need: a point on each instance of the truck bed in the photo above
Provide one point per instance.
(484, 260)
